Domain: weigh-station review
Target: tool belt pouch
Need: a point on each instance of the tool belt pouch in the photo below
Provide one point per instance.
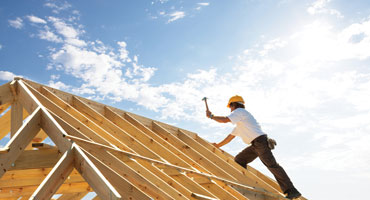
(272, 143)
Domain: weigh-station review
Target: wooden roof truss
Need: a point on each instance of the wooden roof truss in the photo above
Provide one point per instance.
(114, 153)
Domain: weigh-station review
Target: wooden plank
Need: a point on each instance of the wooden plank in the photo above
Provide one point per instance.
(41, 136)
(73, 196)
(26, 98)
(43, 146)
(16, 117)
(6, 95)
(33, 177)
(93, 176)
(201, 197)
(5, 123)
(20, 140)
(4, 150)
(54, 131)
(28, 190)
(56, 177)
(3, 107)
(96, 198)
(34, 159)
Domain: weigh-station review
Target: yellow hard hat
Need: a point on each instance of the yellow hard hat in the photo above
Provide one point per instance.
(235, 98)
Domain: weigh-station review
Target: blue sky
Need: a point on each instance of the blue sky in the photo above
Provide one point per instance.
(302, 67)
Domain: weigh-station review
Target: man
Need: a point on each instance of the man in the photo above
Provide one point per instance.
(250, 131)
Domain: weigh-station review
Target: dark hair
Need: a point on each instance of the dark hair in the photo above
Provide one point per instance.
(237, 105)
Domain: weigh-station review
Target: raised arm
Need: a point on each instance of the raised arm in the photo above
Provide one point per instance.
(219, 119)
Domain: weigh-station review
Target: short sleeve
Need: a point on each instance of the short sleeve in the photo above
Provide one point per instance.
(235, 132)
(234, 116)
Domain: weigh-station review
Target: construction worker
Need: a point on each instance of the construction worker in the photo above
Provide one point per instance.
(250, 131)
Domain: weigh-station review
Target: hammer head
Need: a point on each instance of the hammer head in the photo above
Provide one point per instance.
(204, 98)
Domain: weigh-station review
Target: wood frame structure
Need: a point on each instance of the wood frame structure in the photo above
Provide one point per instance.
(114, 153)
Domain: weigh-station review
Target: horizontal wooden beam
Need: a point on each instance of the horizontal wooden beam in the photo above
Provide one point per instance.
(28, 190)
(73, 196)
(33, 177)
(43, 146)
(34, 159)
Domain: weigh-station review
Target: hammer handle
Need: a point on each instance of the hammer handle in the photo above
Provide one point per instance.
(205, 101)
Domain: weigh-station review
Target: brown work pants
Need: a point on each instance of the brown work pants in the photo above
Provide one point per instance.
(259, 148)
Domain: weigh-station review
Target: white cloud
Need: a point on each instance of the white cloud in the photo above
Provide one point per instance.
(1, 46)
(319, 7)
(59, 85)
(100, 67)
(203, 4)
(123, 51)
(57, 6)
(55, 77)
(6, 76)
(271, 45)
(48, 35)
(70, 33)
(175, 16)
(319, 40)
(16, 23)
(35, 19)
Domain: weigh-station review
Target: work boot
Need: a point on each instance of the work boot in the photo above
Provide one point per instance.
(292, 193)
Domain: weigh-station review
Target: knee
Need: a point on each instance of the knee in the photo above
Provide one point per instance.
(240, 161)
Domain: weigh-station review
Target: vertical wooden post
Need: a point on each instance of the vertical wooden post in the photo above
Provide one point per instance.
(16, 117)
(16, 110)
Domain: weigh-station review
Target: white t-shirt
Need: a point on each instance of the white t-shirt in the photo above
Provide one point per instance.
(246, 125)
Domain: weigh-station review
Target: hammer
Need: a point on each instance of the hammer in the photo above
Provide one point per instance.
(205, 101)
